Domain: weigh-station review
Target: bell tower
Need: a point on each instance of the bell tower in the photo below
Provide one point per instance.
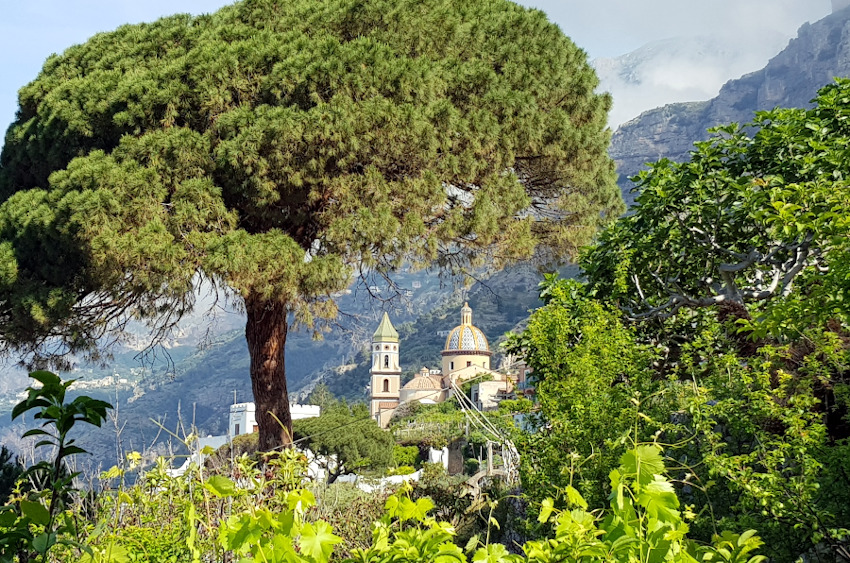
(386, 372)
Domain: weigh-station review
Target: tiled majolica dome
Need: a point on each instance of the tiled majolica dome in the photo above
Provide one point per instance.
(466, 337)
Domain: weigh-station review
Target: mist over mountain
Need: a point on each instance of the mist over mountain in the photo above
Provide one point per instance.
(820, 52)
(679, 69)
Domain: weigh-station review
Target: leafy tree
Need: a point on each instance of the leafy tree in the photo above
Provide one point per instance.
(275, 149)
(345, 439)
(750, 236)
(767, 441)
(321, 395)
(590, 373)
(757, 211)
(10, 469)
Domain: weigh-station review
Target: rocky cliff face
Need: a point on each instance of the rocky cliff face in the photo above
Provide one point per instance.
(820, 52)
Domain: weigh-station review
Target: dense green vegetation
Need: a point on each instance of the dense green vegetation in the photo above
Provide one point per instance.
(261, 512)
(346, 438)
(714, 318)
(692, 391)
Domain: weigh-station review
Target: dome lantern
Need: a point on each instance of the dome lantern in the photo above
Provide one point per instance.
(466, 314)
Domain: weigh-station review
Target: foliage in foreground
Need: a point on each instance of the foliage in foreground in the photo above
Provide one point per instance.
(720, 307)
(257, 513)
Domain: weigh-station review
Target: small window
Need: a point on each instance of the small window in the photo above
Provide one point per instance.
(377, 347)
(451, 365)
(386, 361)
(236, 430)
(386, 347)
(386, 386)
(468, 364)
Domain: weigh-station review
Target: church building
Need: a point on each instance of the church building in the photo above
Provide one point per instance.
(465, 357)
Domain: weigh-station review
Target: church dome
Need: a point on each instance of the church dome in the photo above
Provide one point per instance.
(426, 383)
(466, 337)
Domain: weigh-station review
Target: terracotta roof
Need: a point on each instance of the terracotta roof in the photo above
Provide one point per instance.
(428, 382)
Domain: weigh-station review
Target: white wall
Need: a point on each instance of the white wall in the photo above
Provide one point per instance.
(244, 415)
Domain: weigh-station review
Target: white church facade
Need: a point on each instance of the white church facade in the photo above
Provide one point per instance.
(465, 357)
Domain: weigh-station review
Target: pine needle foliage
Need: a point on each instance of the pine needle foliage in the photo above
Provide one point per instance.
(276, 148)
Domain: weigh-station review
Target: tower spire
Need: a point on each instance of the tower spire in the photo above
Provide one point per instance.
(385, 332)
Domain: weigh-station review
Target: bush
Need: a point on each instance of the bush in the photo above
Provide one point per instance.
(405, 455)
(239, 445)
(350, 511)
(402, 470)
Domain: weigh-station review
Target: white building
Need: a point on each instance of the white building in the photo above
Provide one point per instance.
(243, 418)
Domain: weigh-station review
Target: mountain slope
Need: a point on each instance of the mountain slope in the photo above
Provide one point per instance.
(820, 52)
(679, 69)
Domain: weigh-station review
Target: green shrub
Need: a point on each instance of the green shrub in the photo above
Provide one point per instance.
(161, 544)
(402, 470)
(405, 455)
(350, 511)
(246, 444)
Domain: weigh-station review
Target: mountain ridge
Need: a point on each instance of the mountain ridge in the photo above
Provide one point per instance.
(819, 53)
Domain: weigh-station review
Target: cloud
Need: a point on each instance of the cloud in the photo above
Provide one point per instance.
(656, 52)
(608, 28)
(678, 70)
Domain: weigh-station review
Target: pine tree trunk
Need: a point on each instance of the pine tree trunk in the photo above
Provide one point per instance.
(266, 334)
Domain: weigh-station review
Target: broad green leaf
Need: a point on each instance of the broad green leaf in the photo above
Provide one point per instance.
(493, 553)
(73, 450)
(546, 508)
(115, 553)
(643, 463)
(574, 497)
(317, 540)
(47, 378)
(36, 512)
(44, 541)
(8, 516)
(220, 486)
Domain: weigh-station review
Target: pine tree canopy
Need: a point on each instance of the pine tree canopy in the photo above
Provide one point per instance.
(273, 147)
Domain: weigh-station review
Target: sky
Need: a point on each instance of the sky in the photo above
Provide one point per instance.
(31, 30)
